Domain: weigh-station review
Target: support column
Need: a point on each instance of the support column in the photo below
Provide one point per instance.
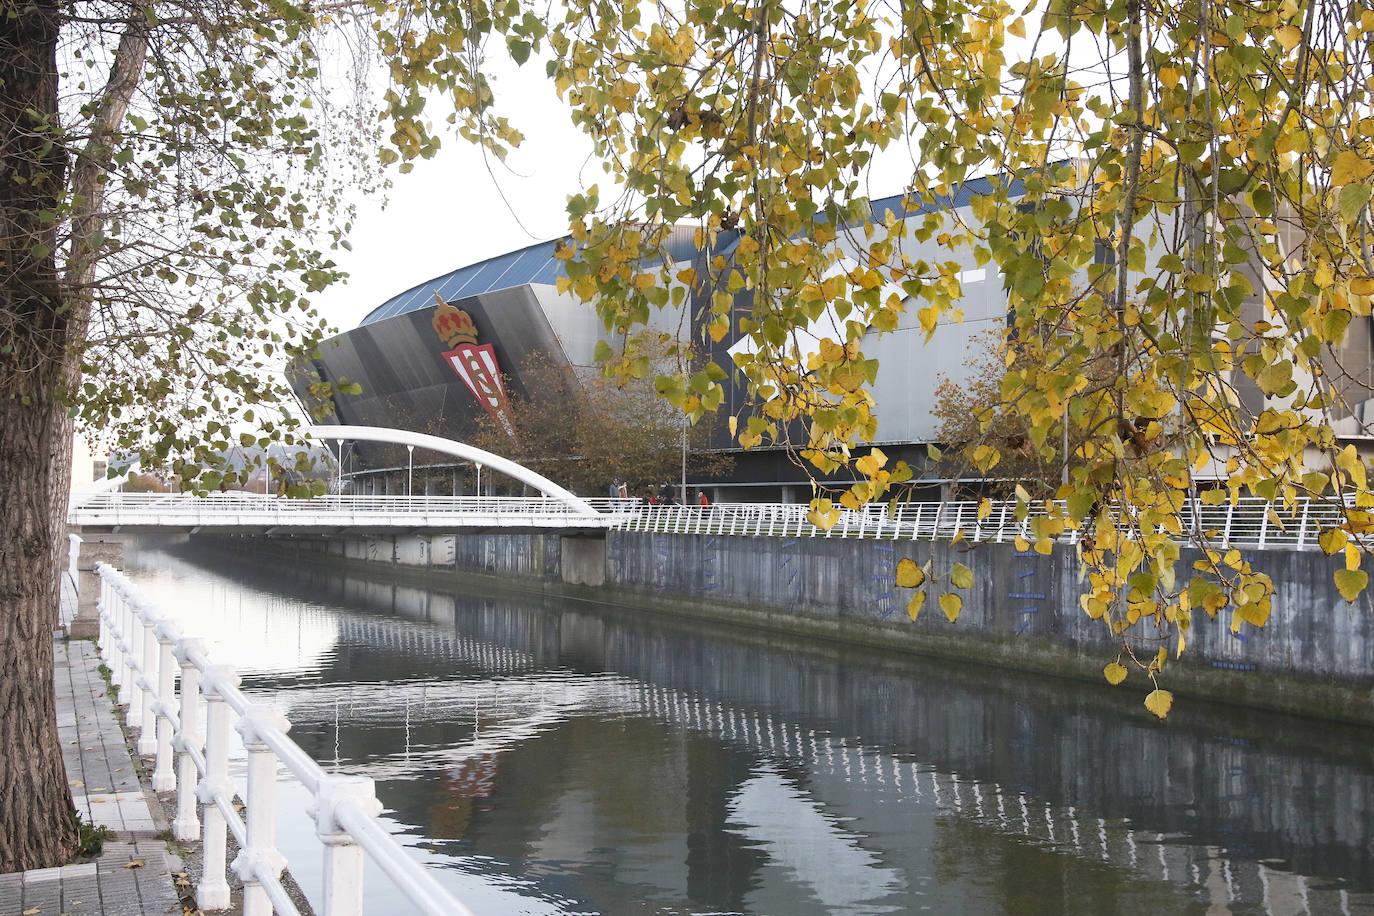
(95, 548)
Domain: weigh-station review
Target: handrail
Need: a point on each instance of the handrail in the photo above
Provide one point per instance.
(1248, 522)
(143, 649)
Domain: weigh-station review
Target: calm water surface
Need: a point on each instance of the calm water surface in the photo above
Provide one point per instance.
(552, 757)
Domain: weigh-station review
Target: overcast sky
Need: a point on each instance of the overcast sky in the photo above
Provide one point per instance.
(449, 211)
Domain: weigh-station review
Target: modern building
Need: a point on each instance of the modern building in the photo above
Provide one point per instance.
(439, 355)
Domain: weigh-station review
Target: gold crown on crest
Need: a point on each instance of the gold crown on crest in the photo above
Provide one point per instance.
(453, 325)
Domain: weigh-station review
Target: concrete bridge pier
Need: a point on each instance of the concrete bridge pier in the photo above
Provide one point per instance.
(95, 548)
(583, 559)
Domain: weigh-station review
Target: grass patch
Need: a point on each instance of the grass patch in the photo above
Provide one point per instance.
(91, 838)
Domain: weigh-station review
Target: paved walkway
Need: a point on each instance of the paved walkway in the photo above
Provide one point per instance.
(106, 789)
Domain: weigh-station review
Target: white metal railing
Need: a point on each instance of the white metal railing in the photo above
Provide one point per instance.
(145, 652)
(238, 508)
(1250, 522)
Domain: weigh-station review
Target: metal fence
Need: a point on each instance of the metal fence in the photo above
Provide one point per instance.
(145, 652)
(1248, 522)
(246, 509)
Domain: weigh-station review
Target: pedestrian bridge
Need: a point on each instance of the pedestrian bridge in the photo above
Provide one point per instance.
(260, 513)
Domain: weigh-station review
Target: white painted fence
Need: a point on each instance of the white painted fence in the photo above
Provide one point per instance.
(1250, 522)
(236, 509)
(1247, 523)
(145, 651)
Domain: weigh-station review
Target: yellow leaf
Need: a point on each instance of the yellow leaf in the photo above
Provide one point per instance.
(961, 576)
(1094, 607)
(1114, 673)
(1288, 36)
(913, 609)
(984, 508)
(1348, 460)
(928, 317)
(871, 463)
(822, 514)
(1159, 701)
(136, 863)
(1350, 582)
(1350, 166)
(1022, 545)
(1017, 28)
(951, 604)
(909, 575)
(1255, 613)
(1352, 556)
(1331, 540)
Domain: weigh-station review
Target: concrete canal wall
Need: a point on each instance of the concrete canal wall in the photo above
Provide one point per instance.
(1315, 655)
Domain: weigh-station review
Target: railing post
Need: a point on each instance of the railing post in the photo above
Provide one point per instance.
(129, 634)
(186, 825)
(164, 778)
(136, 669)
(259, 855)
(147, 683)
(213, 891)
(343, 858)
(109, 629)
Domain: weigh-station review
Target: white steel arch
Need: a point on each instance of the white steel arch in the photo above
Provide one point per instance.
(459, 450)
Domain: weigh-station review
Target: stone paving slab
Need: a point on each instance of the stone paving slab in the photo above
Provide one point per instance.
(133, 874)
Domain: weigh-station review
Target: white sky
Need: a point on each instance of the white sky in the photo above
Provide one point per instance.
(449, 212)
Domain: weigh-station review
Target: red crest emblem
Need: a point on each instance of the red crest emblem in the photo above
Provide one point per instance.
(476, 365)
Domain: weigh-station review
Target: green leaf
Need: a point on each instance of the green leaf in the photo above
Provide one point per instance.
(1276, 379)
(1354, 198)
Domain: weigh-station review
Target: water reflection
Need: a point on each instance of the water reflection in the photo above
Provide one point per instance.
(584, 759)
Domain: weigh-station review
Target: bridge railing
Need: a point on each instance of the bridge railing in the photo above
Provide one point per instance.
(124, 508)
(145, 652)
(1249, 522)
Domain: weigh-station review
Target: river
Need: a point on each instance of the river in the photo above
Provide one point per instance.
(545, 756)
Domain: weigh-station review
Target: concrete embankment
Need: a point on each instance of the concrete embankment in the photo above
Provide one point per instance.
(1315, 656)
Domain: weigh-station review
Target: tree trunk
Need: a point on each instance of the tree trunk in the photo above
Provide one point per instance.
(36, 356)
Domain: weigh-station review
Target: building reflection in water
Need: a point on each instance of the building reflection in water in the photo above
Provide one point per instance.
(600, 763)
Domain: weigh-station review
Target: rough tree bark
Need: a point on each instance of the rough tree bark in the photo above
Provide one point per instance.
(36, 828)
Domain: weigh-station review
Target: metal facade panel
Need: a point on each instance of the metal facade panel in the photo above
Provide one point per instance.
(408, 382)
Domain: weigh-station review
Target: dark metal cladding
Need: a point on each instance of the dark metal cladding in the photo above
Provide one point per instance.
(406, 372)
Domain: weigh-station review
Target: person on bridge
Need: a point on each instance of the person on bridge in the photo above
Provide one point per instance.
(702, 499)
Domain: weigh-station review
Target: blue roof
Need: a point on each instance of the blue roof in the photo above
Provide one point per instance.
(537, 264)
